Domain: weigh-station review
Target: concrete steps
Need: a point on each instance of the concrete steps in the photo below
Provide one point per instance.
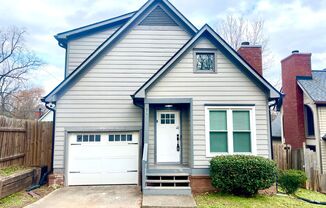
(167, 184)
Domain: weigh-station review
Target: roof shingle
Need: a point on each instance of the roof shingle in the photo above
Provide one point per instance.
(315, 87)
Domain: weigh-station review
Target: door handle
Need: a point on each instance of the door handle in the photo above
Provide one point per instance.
(178, 147)
(178, 141)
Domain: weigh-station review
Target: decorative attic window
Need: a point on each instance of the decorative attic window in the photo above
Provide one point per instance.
(205, 61)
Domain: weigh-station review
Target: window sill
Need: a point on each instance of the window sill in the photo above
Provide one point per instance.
(211, 155)
(205, 72)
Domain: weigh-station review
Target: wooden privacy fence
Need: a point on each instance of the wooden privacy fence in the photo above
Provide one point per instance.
(25, 142)
(300, 159)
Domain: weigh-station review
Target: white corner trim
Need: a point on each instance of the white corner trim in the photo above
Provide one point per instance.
(229, 118)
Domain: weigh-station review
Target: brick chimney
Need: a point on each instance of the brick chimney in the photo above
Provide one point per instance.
(253, 55)
(297, 64)
(38, 114)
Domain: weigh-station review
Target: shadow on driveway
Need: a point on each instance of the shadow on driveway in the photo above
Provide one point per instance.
(91, 196)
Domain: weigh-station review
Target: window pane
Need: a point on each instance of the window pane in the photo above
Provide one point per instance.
(241, 142)
(217, 120)
(117, 137)
(123, 137)
(111, 138)
(218, 142)
(167, 121)
(241, 120)
(91, 138)
(85, 138)
(205, 61)
(129, 137)
(172, 121)
(79, 138)
(97, 138)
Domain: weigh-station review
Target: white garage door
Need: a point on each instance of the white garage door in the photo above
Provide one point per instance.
(99, 159)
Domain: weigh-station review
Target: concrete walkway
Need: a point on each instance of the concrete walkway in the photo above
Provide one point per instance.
(168, 201)
(91, 196)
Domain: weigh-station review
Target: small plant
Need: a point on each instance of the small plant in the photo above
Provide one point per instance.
(291, 180)
(242, 174)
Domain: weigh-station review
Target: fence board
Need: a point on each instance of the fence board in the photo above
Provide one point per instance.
(300, 159)
(30, 140)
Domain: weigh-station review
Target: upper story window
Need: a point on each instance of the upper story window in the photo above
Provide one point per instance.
(204, 61)
(230, 130)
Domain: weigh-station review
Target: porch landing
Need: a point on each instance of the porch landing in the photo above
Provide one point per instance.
(168, 169)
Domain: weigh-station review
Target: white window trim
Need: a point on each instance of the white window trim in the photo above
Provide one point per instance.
(229, 118)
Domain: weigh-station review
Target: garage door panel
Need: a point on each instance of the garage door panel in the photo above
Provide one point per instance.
(104, 179)
(102, 162)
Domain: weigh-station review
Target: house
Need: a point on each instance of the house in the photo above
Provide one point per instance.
(277, 133)
(149, 99)
(47, 116)
(304, 105)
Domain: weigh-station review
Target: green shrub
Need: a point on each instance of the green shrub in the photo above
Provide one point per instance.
(242, 174)
(291, 180)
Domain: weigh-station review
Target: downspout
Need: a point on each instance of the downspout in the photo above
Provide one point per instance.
(52, 108)
(270, 125)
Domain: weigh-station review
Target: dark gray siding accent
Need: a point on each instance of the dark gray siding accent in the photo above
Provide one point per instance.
(158, 17)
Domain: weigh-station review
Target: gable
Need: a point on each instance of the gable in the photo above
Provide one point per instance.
(231, 55)
(109, 43)
(158, 17)
(228, 83)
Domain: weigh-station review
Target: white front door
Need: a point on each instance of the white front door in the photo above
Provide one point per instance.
(168, 138)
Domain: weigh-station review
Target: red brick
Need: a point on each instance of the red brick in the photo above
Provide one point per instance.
(297, 64)
(56, 179)
(203, 184)
(253, 55)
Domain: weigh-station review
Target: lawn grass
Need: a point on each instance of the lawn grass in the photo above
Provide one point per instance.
(312, 195)
(22, 198)
(220, 200)
(11, 170)
(16, 200)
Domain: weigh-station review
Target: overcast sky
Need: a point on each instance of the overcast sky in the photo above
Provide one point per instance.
(297, 24)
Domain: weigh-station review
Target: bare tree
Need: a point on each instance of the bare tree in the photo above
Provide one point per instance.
(236, 30)
(25, 103)
(16, 61)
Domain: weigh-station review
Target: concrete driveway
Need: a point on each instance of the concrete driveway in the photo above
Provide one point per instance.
(91, 196)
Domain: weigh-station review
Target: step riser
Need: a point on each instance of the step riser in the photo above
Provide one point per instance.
(167, 181)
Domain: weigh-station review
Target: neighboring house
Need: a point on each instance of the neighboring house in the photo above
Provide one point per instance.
(277, 129)
(304, 105)
(149, 99)
(47, 116)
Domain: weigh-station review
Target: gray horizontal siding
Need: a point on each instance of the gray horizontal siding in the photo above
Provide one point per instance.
(322, 132)
(158, 17)
(227, 86)
(101, 98)
(79, 49)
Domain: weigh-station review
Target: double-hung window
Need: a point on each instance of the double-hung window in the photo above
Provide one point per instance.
(230, 130)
